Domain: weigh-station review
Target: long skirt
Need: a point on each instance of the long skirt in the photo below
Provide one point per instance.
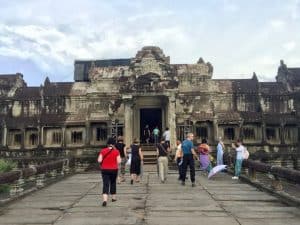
(205, 162)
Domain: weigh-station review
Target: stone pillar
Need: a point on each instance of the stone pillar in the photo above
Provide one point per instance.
(23, 138)
(215, 130)
(172, 120)
(281, 133)
(4, 135)
(64, 136)
(128, 119)
(88, 133)
(41, 135)
(263, 133)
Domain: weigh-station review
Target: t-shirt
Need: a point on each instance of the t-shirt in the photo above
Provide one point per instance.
(239, 152)
(156, 131)
(110, 161)
(187, 146)
(167, 135)
(120, 146)
(162, 149)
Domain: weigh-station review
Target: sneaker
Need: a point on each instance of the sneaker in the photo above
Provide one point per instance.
(114, 200)
(104, 203)
(182, 183)
(235, 178)
(131, 182)
(193, 185)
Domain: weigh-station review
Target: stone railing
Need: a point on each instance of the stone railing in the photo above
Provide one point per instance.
(26, 180)
(276, 179)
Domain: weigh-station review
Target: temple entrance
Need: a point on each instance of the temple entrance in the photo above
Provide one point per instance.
(151, 117)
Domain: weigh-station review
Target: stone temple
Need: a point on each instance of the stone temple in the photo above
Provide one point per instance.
(121, 96)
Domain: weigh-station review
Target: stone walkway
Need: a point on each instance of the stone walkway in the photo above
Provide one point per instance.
(76, 200)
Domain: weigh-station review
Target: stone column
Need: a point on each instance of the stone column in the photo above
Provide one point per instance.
(215, 130)
(23, 138)
(281, 133)
(128, 104)
(88, 133)
(4, 135)
(172, 120)
(64, 141)
(263, 133)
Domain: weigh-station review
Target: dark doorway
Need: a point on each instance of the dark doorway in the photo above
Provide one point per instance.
(151, 117)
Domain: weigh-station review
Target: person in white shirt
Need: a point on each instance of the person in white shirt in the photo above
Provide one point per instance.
(167, 136)
(239, 148)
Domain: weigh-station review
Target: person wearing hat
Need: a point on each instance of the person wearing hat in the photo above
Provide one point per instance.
(109, 158)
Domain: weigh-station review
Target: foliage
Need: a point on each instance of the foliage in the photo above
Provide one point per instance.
(4, 188)
(6, 165)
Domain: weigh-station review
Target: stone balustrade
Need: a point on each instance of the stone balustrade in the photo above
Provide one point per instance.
(25, 180)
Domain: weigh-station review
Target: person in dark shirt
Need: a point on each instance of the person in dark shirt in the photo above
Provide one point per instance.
(136, 161)
(162, 150)
(187, 147)
(122, 149)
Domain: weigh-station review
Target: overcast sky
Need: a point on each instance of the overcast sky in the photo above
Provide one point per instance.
(43, 38)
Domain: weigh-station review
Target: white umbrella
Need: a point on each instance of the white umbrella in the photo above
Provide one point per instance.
(215, 170)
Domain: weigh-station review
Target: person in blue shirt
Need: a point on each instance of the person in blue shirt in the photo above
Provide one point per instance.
(189, 154)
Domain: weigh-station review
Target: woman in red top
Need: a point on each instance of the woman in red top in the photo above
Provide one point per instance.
(109, 158)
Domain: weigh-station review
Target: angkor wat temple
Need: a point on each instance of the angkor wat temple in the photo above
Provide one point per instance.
(122, 96)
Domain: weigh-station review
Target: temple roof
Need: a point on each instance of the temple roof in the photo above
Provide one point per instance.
(58, 89)
(28, 93)
(272, 88)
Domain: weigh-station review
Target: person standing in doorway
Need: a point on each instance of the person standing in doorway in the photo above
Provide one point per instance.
(122, 149)
(188, 158)
(167, 136)
(109, 158)
(162, 150)
(220, 152)
(147, 134)
(239, 148)
(156, 132)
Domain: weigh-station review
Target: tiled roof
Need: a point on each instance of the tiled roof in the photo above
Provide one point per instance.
(58, 89)
(228, 116)
(28, 93)
(272, 88)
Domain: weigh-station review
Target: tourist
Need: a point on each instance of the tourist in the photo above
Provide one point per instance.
(239, 148)
(146, 134)
(179, 159)
(162, 150)
(167, 136)
(204, 151)
(122, 149)
(136, 161)
(109, 158)
(220, 152)
(187, 147)
(156, 134)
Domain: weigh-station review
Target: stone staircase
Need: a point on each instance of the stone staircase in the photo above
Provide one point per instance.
(149, 152)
